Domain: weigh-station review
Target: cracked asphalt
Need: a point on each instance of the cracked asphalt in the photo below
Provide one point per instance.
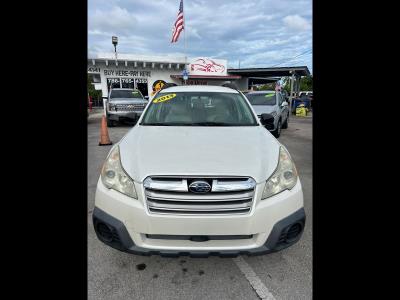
(117, 275)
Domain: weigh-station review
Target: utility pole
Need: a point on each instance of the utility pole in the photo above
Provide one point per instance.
(291, 89)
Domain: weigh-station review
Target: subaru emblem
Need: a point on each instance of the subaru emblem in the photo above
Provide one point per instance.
(199, 187)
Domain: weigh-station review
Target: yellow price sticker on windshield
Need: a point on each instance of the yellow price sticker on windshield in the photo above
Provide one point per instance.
(164, 98)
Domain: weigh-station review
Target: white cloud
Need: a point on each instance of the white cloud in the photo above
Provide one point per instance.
(193, 33)
(258, 32)
(296, 23)
(116, 20)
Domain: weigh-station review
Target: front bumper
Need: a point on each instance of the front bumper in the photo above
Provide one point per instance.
(122, 116)
(271, 127)
(131, 224)
(123, 242)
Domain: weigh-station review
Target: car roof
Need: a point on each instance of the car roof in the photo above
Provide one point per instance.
(262, 92)
(199, 88)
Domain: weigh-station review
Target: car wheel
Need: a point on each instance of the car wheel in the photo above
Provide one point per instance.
(285, 124)
(110, 123)
(277, 131)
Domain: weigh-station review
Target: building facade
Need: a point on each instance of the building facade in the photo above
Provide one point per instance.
(149, 73)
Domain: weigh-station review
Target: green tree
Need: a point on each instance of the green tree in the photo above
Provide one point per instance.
(266, 87)
(286, 84)
(306, 83)
(95, 94)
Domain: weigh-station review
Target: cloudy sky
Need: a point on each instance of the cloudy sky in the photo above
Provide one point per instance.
(259, 33)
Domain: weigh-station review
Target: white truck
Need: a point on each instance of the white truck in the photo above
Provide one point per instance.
(199, 175)
(124, 104)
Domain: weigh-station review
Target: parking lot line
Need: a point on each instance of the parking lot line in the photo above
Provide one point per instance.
(255, 282)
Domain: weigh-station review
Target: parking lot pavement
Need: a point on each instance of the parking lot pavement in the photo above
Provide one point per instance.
(116, 275)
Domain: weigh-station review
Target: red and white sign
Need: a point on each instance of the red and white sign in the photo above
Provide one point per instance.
(208, 66)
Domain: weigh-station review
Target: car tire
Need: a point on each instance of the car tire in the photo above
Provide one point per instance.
(110, 123)
(285, 125)
(277, 132)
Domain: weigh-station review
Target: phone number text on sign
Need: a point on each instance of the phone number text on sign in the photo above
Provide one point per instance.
(127, 80)
(141, 80)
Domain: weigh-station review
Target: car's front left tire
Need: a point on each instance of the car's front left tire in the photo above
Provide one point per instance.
(285, 125)
(277, 132)
(110, 123)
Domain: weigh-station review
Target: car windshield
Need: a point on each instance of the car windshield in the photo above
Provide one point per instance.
(262, 99)
(199, 109)
(125, 94)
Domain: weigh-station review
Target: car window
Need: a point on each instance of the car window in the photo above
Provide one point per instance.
(125, 94)
(199, 109)
(262, 98)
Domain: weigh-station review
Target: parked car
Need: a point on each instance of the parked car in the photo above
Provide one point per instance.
(306, 93)
(199, 175)
(271, 102)
(124, 104)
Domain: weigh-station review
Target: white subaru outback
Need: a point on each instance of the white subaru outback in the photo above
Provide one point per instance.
(199, 175)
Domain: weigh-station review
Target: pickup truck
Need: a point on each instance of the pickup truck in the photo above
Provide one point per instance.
(124, 105)
(199, 175)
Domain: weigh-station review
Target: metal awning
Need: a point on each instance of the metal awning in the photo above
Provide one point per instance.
(271, 72)
(263, 80)
(208, 77)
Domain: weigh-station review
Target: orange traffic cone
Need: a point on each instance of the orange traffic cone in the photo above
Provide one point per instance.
(104, 138)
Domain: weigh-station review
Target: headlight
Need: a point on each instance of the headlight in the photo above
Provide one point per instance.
(114, 177)
(111, 106)
(284, 177)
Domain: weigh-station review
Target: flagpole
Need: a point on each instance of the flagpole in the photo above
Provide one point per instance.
(184, 36)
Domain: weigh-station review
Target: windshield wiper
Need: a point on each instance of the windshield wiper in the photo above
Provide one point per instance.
(213, 124)
(195, 124)
(166, 124)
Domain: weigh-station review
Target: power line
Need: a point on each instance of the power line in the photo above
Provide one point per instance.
(290, 59)
(303, 59)
(305, 52)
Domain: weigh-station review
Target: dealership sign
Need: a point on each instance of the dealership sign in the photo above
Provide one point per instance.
(208, 66)
(119, 73)
(125, 73)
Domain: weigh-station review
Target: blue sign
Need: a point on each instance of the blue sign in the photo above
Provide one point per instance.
(185, 74)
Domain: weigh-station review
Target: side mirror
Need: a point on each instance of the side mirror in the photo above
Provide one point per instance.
(284, 103)
(146, 97)
(267, 119)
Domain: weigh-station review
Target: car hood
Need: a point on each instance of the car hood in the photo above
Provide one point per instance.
(264, 109)
(200, 151)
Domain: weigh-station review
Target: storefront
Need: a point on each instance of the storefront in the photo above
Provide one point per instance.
(149, 73)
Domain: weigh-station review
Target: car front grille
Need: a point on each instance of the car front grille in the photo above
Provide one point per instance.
(130, 107)
(171, 195)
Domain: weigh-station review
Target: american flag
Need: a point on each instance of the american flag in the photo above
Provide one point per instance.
(178, 26)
